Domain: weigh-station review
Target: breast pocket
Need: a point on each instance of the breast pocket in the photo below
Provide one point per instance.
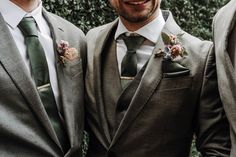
(74, 68)
(178, 83)
(173, 93)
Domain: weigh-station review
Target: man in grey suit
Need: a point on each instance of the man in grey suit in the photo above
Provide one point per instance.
(224, 29)
(41, 82)
(153, 107)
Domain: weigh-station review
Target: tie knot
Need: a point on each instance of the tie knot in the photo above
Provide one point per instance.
(132, 42)
(28, 27)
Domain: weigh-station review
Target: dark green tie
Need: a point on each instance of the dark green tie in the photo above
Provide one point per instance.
(129, 62)
(40, 74)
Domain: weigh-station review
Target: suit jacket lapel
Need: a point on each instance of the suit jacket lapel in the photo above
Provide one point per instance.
(11, 60)
(150, 79)
(222, 32)
(101, 41)
(147, 86)
(65, 81)
(226, 71)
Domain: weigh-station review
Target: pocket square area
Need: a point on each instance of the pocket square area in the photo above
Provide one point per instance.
(172, 69)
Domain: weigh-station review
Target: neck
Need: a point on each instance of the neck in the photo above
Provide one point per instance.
(133, 26)
(26, 5)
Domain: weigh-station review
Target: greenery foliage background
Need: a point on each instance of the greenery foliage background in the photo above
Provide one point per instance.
(194, 16)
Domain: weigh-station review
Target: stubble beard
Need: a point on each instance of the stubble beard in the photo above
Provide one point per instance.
(138, 18)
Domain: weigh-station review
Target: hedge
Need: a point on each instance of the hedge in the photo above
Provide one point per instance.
(194, 16)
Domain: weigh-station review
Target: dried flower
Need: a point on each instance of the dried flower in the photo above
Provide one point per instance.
(176, 50)
(67, 53)
(173, 47)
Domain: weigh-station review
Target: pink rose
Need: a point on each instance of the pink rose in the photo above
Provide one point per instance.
(71, 53)
(67, 53)
(176, 50)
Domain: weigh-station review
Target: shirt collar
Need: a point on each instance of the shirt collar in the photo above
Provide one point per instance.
(13, 14)
(151, 31)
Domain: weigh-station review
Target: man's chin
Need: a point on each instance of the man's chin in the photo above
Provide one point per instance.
(135, 19)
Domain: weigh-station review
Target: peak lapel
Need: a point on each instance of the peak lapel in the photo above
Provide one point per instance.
(11, 60)
(150, 79)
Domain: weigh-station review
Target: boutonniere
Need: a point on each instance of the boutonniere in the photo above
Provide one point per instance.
(67, 53)
(173, 47)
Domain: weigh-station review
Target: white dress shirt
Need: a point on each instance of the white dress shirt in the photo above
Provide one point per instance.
(151, 32)
(12, 15)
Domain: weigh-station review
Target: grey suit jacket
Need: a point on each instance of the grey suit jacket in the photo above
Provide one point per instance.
(25, 129)
(224, 26)
(164, 113)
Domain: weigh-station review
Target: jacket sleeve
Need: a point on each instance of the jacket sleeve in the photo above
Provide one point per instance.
(213, 135)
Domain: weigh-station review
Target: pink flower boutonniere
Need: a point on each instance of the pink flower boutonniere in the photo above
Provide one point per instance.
(67, 53)
(173, 47)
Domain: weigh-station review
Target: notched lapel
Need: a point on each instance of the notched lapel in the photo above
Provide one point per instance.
(65, 81)
(11, 60)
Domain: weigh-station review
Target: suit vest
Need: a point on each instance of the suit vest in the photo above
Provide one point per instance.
(116, 99)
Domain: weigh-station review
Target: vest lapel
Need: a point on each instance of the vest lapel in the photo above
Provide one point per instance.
(126, 97)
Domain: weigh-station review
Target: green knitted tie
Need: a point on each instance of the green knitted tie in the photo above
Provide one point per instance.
(40, 74)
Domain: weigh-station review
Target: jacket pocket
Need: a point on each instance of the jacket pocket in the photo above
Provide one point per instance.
(175, 83)
(74, 68)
